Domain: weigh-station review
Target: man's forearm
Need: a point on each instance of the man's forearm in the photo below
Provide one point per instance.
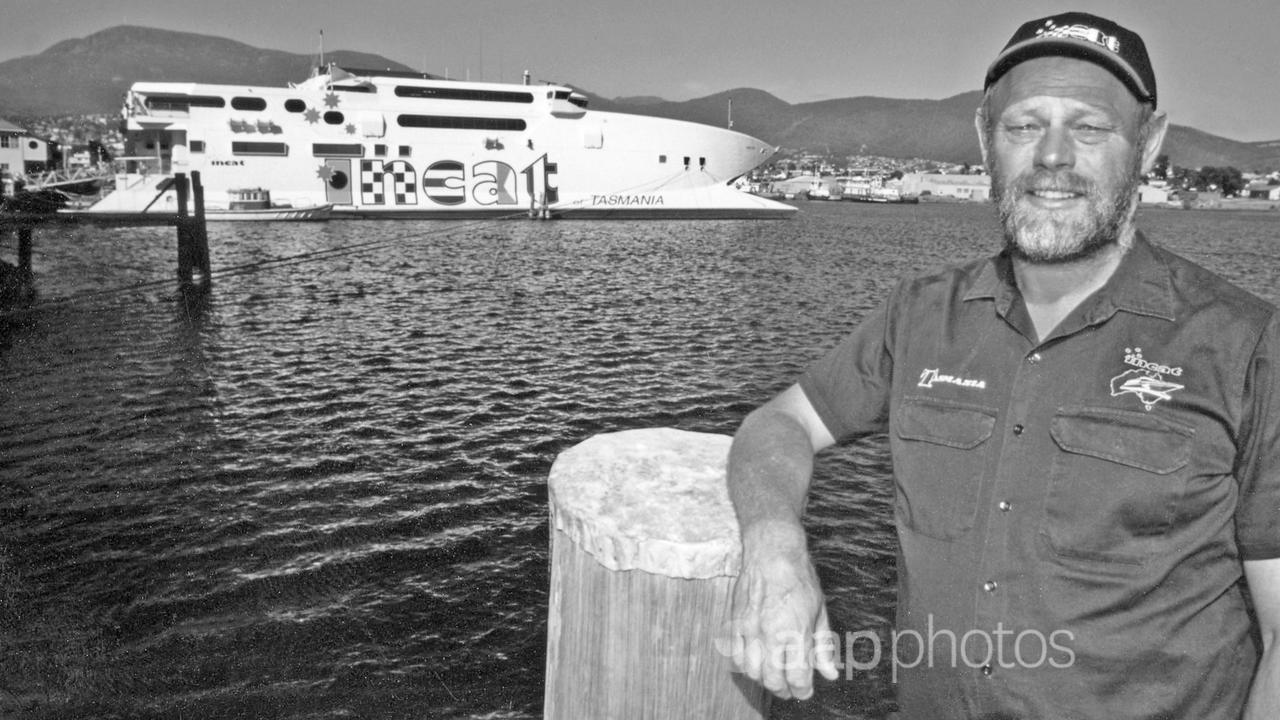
(1264, 697)
(770, 465)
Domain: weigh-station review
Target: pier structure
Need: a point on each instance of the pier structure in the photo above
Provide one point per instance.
(645, 552)
(189, 221)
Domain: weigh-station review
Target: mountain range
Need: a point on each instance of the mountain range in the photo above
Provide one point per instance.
(89, 75)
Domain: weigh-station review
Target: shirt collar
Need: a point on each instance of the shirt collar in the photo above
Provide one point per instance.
(1141, 284)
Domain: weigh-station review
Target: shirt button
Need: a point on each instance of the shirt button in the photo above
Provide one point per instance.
(1004, 505)
(1034, 358)
(986, 670)
(1017, 429)
(989, 586)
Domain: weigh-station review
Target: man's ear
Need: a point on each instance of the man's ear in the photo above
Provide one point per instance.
(1157, 126)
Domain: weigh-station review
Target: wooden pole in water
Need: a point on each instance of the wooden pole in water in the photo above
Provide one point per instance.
(24, 250)
(645, 550)
(201, 231)
(186, 249)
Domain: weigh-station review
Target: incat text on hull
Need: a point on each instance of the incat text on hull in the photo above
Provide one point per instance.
(392, 144)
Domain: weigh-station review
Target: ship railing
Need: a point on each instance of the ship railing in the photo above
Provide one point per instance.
(141, 165)
(66, 176)
(133, 172)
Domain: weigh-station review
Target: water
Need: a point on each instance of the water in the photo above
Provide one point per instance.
(319, 491)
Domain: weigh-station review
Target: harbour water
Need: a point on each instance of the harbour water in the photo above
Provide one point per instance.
(318, 491)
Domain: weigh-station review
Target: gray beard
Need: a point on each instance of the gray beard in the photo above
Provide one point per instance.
(1048, 237)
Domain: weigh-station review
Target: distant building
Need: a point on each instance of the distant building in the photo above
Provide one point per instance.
(1153, 195)
(20, 151)
(976, 188)
(1262, 191)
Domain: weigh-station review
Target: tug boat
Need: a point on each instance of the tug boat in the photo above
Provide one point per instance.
(254, 205)
(384, 144)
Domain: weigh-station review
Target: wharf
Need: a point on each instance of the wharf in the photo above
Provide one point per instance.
(193, 239)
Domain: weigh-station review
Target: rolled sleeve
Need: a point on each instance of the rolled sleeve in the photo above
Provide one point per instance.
(1258, 466)
(849, 387)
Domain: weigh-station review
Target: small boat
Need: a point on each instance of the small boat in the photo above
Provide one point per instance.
(254, 204)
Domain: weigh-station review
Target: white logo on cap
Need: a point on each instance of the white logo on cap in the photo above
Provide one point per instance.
(1079, 32)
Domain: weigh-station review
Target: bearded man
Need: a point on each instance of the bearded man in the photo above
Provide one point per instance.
(1085, 432)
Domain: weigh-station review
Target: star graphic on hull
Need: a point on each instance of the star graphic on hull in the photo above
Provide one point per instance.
(325, 173)
(312, 115)
(351, 129)
(331, 100)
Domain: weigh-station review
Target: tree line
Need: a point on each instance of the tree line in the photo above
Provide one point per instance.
(1228, 180)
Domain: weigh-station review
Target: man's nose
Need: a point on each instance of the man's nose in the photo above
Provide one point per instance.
(1055, 149)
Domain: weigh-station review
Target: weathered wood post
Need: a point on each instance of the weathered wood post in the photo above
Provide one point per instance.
(644, 549)
(24, 250)
(186, 245)
(199, 229)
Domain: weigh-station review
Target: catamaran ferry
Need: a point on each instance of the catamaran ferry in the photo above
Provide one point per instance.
(392, 144)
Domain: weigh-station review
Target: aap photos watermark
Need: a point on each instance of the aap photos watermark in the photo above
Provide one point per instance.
(864, 650)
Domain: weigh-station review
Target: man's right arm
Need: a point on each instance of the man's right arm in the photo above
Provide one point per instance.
(778, 603)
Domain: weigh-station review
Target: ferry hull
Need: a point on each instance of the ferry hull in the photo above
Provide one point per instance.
(399, 147)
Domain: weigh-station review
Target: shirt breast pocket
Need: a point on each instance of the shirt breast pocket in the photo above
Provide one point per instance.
(939, 461)
(1115, 485)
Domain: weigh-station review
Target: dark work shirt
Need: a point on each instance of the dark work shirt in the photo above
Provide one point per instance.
(1072, 512)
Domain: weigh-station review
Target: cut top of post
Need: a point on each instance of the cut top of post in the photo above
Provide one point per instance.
(653, 500)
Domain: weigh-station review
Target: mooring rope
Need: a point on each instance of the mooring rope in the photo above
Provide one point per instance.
(257, 266)
(300, 258)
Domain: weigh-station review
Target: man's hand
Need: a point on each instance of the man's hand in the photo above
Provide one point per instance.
(779, 632)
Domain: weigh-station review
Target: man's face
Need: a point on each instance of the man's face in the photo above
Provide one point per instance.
(1064, 145)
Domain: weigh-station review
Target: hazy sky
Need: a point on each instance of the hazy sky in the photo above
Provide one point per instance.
(1216, 63)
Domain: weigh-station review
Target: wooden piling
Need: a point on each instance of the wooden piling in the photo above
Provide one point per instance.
(200, 230)
(645, 550)
(24, 250)
(186, 242)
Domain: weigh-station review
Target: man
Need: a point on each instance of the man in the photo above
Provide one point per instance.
(1085, 432)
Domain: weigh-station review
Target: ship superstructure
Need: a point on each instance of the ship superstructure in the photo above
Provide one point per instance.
(391, 144)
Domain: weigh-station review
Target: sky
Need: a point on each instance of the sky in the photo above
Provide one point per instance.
(1216, 63)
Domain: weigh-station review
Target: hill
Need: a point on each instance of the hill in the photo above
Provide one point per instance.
(933, 129)
(89, 75)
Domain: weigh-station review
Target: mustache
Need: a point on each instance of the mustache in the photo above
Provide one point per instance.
(1049, 181)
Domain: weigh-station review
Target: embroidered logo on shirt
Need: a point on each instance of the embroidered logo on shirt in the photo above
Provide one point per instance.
(1147, 382)
(931, 376)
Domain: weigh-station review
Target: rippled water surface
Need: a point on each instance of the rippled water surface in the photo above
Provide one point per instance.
(318, 490)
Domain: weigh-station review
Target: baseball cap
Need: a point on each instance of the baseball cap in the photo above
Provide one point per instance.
(1086, 37)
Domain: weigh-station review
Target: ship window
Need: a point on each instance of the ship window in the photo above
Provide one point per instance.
(259, 148)
(33, 145)
(337, 150)
(380, 150)
(355, 88)
(449, 93)
(686, 161)
(333, 117)
(197, 146)
(662, 159)
(578, 100)
(183, 102)
(294, 105)
(461, 123)
(702, 162)
(248, 103)
(405, 151)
